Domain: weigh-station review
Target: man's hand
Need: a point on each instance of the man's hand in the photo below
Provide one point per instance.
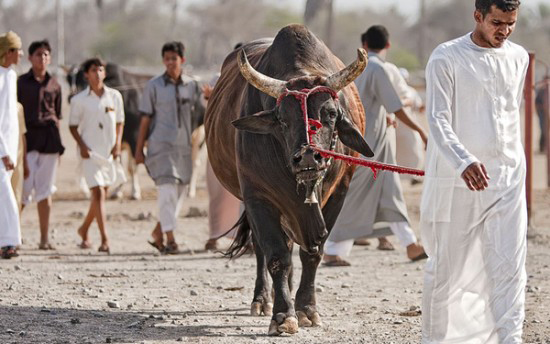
(115, 152)
(390, 122)
(475, 176)
(8, 163)
(84, 151)
(139, 157)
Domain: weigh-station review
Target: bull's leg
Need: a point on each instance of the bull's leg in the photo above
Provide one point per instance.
(306, 308)
(261, 303)
(273, 243)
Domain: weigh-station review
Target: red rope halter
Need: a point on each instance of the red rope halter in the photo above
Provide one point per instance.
(312, 126)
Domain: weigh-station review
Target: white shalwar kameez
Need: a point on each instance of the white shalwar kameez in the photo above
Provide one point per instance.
(10, 234)
(476, 240)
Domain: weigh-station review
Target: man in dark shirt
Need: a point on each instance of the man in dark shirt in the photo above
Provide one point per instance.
(40, 95)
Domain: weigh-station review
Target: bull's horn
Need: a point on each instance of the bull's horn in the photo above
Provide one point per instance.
(338, 81)
(264, 83)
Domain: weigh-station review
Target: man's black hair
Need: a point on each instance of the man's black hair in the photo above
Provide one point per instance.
(89, 63)
(175, 46)
(376, 37)
(39, 44)
(237, 46)
(484, 6)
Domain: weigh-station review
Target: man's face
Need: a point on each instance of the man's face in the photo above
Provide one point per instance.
(40, 58)
(95, 75)
(496, 27)
(13, 56)
(172, 61)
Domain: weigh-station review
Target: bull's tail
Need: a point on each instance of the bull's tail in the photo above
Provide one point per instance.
(242, 242)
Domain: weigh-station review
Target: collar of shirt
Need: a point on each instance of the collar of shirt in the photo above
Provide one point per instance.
(32, 77)
(377, 55)
(474, 46)
(89, 91)
(169, 80)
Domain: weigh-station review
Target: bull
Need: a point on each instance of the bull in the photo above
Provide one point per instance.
(292, 193)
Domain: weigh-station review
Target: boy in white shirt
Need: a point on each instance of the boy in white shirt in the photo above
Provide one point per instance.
(96, 122)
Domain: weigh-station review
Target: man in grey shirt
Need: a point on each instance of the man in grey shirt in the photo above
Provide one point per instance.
(371, 200)
(171, 108)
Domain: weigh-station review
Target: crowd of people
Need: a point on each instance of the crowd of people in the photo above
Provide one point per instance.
(473, 211)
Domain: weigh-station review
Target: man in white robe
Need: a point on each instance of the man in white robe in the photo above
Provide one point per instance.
(473, 209)
(10, 233)
(371, 200)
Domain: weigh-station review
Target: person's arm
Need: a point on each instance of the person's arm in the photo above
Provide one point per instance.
(84, 150)
(3, 148)
(439, 95)
(118, 141)
(58, 106)
(26, 171)
(119, 113)
(74, 121)
(142, 134)
(410, 122)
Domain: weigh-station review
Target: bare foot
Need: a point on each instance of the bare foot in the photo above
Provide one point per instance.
(330, 260)
(416, 252)
(83, 233)
(158, 240)
(384, 244)
(45, 245)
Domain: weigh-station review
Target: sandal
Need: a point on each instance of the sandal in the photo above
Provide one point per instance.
(159, 246)
(361, 242)
(211, 245)
(85, 244)
(9, 252)
(104, 248)
(385, 245)
(336, 261)
(420, 257)
(171, 248)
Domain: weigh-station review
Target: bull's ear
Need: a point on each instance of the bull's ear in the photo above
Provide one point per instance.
(350, 135)
(264, 122)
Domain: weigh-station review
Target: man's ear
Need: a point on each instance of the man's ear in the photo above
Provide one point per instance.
(350, 135)
(264, 122)
(478, 16)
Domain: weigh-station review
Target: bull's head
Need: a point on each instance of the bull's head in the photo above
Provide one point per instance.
(288, 120)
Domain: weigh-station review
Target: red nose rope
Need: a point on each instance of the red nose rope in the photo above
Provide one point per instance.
(312, 126)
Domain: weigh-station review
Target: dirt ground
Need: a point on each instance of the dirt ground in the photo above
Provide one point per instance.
(137, 296)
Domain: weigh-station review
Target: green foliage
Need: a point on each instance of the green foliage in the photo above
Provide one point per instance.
(403, 58)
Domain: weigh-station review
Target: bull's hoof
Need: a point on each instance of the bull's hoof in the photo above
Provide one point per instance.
(135, 197)
(283, 324)
(313, 319)
(259, 308)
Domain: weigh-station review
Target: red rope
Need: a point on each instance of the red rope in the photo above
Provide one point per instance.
(312, 126)
(373, 165)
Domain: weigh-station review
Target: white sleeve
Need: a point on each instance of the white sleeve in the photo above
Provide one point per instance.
(439, 100)
(119, 108)
(75, 116)
(4, 117)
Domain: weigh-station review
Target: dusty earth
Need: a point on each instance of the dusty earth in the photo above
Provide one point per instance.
(134, 295)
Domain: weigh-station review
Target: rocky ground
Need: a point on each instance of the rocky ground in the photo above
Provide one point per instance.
(135, 295)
